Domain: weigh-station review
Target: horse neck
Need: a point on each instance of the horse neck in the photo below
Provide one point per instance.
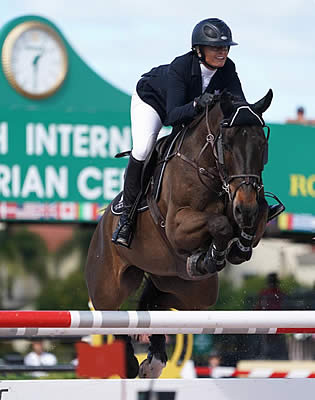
(196, 138)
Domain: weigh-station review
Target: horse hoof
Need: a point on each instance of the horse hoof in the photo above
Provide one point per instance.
(151, 369)
(132, 367)
(236, 256)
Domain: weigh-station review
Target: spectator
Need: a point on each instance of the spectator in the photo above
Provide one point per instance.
(272, 347)
(272, 297)
(38, 357)
(214, 360)
(300, 118)
(215, 368)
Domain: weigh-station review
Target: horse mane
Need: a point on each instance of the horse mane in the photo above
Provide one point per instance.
(228, 98)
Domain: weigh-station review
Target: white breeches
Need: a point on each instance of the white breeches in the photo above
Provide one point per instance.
(145, 127)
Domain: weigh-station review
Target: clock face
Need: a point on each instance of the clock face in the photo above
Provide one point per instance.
(34, 60)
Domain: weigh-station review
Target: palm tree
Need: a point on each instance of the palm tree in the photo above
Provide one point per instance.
(22, 254)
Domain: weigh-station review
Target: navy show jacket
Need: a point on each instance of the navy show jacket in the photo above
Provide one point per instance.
(171, 89)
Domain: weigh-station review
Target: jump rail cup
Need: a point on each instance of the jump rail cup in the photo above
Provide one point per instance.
(80, 323)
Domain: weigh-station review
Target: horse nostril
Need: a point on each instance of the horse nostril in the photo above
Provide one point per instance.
(238, 209)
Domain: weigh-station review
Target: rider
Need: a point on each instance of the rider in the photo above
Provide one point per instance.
(174, 94)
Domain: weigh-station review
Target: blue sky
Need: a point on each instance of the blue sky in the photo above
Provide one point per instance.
(121, 39)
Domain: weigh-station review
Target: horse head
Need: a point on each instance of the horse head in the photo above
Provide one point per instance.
(240, 146)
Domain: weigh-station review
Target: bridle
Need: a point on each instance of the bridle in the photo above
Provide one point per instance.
(216, 141)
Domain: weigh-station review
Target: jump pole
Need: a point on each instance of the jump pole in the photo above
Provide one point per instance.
(78, 323)
(178, 389)
(29, 323)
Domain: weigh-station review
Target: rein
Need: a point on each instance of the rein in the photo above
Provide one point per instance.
(219, 171)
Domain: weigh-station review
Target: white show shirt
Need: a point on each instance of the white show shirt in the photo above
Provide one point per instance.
(206, 76)
(36, 360)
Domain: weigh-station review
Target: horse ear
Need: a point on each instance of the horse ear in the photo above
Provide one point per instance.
(262, 105)
(226, 104)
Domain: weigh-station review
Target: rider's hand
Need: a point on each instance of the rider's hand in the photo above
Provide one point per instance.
(201, 102)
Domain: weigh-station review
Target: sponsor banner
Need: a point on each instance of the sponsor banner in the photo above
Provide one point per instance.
(296, 222)
(58, 211)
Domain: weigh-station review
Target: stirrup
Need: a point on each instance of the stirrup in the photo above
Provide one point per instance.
(123, 233)
(274, 210)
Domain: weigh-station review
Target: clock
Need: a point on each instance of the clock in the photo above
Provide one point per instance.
(34, 60)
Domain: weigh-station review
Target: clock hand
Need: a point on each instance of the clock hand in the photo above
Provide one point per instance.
(35, 68)
(35, 60)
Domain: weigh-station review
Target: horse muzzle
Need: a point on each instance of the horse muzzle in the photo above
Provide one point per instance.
(244, 196)
(245, 215)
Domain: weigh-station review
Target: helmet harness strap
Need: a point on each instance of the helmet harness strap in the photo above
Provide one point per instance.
(202, 57)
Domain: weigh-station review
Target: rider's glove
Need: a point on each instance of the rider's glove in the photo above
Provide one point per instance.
(201, 102)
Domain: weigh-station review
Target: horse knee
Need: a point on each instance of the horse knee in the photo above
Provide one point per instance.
(220, 227)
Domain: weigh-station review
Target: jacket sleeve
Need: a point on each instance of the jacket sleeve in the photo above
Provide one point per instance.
(179, 110)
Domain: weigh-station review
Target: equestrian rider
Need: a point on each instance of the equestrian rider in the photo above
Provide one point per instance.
(173, 95)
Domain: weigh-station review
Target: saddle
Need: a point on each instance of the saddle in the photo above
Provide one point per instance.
(153, 171)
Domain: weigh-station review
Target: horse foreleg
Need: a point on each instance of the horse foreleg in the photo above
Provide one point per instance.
(212, 260)
(241, 249)
(193, 232)
(156, 360)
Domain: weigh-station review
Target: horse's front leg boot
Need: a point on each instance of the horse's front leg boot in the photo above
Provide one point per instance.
(217, 257)
(199, 265)
(241, 249)
(153, 366)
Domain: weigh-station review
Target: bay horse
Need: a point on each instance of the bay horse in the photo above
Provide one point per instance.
(211, 209)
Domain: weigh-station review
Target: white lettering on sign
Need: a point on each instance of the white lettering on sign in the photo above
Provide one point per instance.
(14, 184)
(5, 179)
(65, 133)
(76, 140)
(56, 182)
(111, 182)
(119, 141)
(3, 138)
(16, 180)
(89, 174)
(94, 183)
(46, 140)
(99, 139)
(32, 183)
(80, 141)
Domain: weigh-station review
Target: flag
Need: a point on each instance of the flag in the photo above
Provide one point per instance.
(29, 211)
(285, 222)
(68, 211)
(50, 211)
(88, 211)
(7, 210)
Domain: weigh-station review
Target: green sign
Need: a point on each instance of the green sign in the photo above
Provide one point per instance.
(61, 126)
(57, 143)
(290, 174)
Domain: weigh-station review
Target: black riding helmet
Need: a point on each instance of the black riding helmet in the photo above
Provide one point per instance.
(212, 32)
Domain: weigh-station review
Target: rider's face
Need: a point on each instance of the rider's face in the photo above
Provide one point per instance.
(216, 55)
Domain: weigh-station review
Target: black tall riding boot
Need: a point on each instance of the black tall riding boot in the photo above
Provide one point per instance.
(124, 231)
